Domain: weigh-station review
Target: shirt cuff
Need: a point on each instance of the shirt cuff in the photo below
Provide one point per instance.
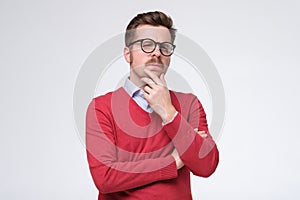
(165, 123)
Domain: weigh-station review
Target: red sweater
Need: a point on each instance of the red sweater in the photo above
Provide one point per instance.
(129, 151)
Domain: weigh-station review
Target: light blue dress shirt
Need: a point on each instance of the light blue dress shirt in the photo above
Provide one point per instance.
(137, 94)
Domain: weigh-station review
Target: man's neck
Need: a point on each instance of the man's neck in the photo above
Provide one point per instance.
(137, 82)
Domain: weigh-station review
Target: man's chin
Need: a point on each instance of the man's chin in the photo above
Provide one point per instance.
(156, 70)
(157, 73)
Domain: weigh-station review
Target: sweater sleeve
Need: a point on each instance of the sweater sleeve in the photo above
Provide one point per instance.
(199, 154)
(110, 174)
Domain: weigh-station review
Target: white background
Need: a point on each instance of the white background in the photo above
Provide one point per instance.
(254, 45)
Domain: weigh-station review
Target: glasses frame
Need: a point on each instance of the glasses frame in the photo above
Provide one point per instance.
(156, 43)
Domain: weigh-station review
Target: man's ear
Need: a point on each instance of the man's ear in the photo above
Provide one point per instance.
(126, 54)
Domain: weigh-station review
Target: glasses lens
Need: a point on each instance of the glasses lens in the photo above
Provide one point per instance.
(148, 45)
(166, 48)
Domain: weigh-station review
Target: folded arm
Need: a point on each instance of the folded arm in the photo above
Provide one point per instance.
(108, 172)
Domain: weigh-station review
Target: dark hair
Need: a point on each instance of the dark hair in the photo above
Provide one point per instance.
(155, 18)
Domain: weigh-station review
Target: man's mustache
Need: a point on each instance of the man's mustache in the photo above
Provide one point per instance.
(154, 60)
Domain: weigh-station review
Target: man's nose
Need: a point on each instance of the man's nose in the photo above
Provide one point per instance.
(156, 51)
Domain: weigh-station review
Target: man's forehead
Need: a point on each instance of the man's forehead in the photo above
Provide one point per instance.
(158, 33)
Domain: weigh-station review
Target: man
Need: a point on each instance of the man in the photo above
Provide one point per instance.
(143, 140)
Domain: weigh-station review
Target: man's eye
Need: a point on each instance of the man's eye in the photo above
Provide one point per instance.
(147, 44)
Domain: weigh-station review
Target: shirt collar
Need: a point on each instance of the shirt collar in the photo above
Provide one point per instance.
(131, 88)
(137, 94)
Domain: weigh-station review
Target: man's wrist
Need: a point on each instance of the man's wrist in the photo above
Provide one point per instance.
(170, 115)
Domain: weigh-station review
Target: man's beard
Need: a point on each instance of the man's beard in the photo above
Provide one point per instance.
(152, 60)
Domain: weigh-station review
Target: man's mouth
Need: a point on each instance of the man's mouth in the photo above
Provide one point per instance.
(154, 66)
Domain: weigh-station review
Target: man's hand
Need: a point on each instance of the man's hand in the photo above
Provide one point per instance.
(158, 96)
(179, 163)
(201, 133)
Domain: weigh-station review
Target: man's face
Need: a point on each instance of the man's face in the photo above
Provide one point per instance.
(139, 60)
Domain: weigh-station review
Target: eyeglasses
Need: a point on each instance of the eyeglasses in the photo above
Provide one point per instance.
(148, 46)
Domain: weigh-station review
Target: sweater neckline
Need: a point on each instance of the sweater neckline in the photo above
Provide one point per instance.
(131, 101)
